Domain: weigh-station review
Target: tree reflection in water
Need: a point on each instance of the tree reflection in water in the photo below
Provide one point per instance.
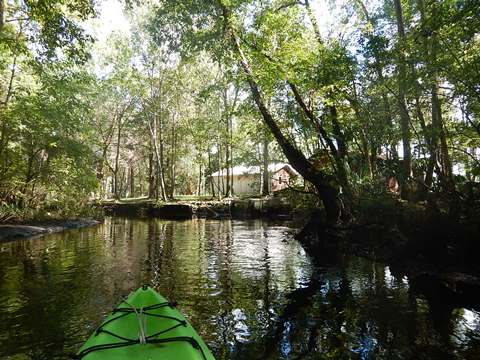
(246, 286)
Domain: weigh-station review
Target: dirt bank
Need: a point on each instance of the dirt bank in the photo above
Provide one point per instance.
(268, 207)
(17, 231)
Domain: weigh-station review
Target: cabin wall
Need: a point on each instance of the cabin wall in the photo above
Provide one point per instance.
(251, 183)
(243, 184)
(246, 184)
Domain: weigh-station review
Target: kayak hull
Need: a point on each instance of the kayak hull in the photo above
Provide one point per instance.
(145, 326)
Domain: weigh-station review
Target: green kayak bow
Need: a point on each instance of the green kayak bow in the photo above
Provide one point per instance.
(145, 326)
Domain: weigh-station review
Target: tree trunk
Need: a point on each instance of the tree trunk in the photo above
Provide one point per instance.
(365, 144)
(29, 171)
(212, 183)
(373, 159)
(4, 137)
(437, 133)
(401, 99)
(123, 181)
(220, 182)
(2, 14)
(228, 191)
(116, 193)
(437, 119)
(265, 174)
(231, 155)
(379, 70)
(227, 142)
(131, 181)
(438, 128)
(158, 157)
(337, 132)
(338, 163)
(151, 175)
(327, 192)
(173, 159)
(199, 186)
(313, 20)
(429, 135)
(392, 148)
(339, 155)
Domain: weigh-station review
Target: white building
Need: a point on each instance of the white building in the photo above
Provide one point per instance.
(248, 179)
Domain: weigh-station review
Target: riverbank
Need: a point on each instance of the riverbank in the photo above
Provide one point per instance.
(413, 235)
(414, 239)
(26, 230)
(278, 207)
(426, 245)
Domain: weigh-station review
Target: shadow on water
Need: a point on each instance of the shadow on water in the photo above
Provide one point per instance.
(246, 286)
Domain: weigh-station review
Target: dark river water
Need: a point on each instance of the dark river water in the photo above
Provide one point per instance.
(246, 286)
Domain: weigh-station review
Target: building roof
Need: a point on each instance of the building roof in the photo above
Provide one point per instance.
(252, 170)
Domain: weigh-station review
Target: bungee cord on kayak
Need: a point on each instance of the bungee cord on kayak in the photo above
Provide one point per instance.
(142, 313)
(142, 324)
(127, 342)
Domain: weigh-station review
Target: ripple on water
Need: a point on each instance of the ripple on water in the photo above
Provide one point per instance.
(246, 286)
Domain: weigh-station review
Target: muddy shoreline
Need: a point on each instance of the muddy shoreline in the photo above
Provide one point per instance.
(15, 231)
(270, 207)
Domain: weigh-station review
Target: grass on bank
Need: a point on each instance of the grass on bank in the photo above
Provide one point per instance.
(53, 210)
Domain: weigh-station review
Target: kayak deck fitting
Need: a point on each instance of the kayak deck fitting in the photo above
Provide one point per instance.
(145, 326)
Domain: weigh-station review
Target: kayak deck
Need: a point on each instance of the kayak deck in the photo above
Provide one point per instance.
(145, 326)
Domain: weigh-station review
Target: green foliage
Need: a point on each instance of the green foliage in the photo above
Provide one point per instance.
(55, 26)
(161, 108)
(46, 153)
(299, 199)
(379, 210)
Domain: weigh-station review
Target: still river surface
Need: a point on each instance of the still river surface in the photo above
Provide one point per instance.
(246, 286)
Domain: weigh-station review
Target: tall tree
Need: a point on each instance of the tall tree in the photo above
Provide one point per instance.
(402, 91)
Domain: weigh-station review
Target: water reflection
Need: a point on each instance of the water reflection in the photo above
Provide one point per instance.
(249, 290)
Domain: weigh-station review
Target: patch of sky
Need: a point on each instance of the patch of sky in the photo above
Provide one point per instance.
(285, 346)
(366, 347)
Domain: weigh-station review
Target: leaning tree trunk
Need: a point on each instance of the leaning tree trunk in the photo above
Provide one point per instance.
(328, 193)
(339, 153)
(338, 163)
(313, 20)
